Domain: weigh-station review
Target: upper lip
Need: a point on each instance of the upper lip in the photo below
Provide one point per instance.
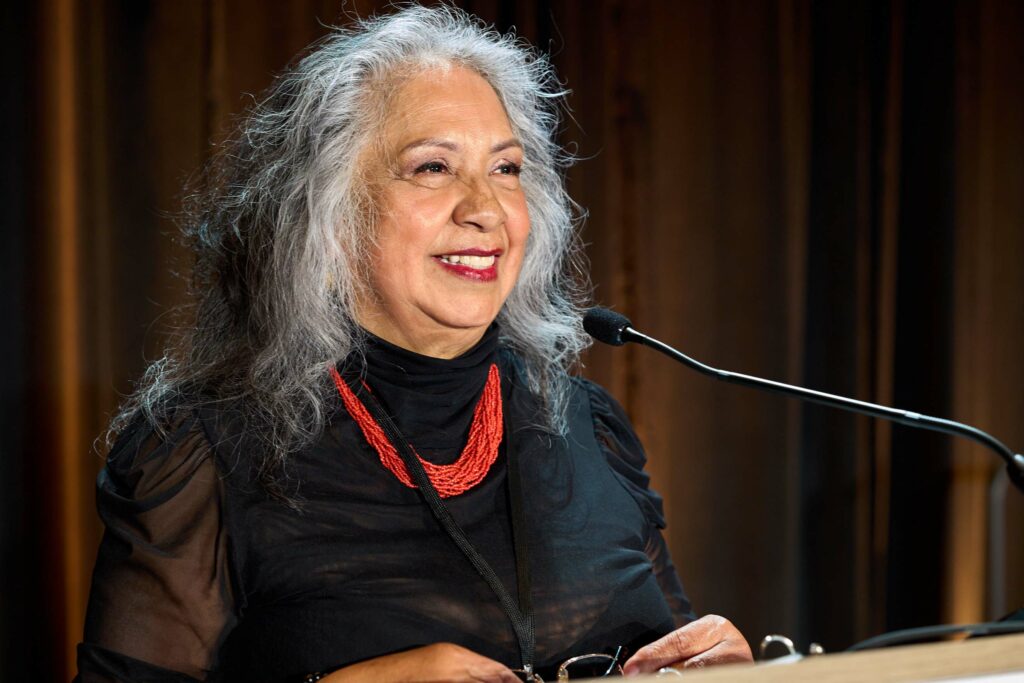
(474, 251)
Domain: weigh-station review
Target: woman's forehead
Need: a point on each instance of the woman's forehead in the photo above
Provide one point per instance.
(453, 104)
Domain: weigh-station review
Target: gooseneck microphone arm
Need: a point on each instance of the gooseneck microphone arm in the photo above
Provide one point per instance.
(611, 328)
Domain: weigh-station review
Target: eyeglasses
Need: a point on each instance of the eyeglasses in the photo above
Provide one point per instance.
(588, 666)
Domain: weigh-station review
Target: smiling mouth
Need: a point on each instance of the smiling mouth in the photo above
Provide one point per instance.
(479, 265)
(469, 260)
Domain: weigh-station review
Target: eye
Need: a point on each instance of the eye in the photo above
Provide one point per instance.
(509, 168)
(432, 167)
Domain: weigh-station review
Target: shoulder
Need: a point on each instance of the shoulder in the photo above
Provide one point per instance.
(621, 447)
(599, 397)
(162, 491)
(611, 423)
(151, 461)
(590, 406)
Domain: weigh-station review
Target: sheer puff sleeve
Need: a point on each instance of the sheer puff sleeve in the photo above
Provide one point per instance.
(626, 458)
(162, 600)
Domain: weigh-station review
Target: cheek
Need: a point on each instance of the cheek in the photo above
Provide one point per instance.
(394, 251)
(403, 231)
(415, 218)
(518, 227)
(517, 221)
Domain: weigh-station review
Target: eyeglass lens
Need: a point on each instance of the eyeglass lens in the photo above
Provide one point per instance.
(589, 666)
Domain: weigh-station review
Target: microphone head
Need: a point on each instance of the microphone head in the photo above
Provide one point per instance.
(606, 326)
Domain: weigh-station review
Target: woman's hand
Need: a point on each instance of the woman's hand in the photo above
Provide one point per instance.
(429, 664)
(709, 640)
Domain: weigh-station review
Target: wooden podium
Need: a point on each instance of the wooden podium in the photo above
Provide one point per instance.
(980, 658)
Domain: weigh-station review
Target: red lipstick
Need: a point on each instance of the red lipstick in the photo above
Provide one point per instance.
(474, 252)
(468, 272)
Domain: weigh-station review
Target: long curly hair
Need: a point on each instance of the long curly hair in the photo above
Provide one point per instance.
(282, 221)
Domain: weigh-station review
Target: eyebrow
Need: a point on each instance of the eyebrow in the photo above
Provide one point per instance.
(451, 146)
(505, 144)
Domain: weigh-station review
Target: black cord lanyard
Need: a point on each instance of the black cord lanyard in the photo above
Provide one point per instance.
(520, 615)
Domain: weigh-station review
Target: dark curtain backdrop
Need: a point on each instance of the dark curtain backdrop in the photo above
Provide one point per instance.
(818, 192)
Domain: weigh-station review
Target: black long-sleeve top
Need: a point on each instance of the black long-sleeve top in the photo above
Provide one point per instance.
(202, 575)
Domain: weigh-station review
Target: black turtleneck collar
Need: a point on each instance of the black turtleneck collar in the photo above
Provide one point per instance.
(430, 399)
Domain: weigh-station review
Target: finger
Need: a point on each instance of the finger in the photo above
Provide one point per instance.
(677, 646)
(494, 673)
(505, 676)
(683, 643)
(728, 651)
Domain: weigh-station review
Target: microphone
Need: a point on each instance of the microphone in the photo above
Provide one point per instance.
(615, 329)
(606, 326)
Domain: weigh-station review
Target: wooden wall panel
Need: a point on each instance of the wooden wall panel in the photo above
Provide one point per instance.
(148, 70)
(1002, 101)
(583, 59)
(58, 355)
(834, 484)
(142, 117)
(20, 530)
(989, 312)
(250, 44)
(712, 264)
(924, 321)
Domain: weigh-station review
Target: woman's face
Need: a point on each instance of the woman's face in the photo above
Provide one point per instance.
(452, 219)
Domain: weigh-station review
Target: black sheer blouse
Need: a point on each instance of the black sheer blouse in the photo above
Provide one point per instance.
(203, 576)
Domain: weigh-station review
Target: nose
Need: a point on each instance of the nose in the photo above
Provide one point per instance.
(479, 208)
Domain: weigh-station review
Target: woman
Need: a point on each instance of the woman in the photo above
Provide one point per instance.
(385, 257)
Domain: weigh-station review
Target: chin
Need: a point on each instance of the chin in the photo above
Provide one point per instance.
(461, 319)
(463, 323)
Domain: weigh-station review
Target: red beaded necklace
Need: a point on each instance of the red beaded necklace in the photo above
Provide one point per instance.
(474, 462)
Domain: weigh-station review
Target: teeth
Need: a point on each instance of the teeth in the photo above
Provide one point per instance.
(471, 261)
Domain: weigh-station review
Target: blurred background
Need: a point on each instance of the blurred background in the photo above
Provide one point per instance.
(825, 193)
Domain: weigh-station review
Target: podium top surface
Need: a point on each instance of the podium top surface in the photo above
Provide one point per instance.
(960, 660)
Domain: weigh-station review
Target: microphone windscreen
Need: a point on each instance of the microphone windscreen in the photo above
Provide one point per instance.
(606, 326)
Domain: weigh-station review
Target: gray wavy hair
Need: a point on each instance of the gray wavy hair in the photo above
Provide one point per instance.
(283, 220)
